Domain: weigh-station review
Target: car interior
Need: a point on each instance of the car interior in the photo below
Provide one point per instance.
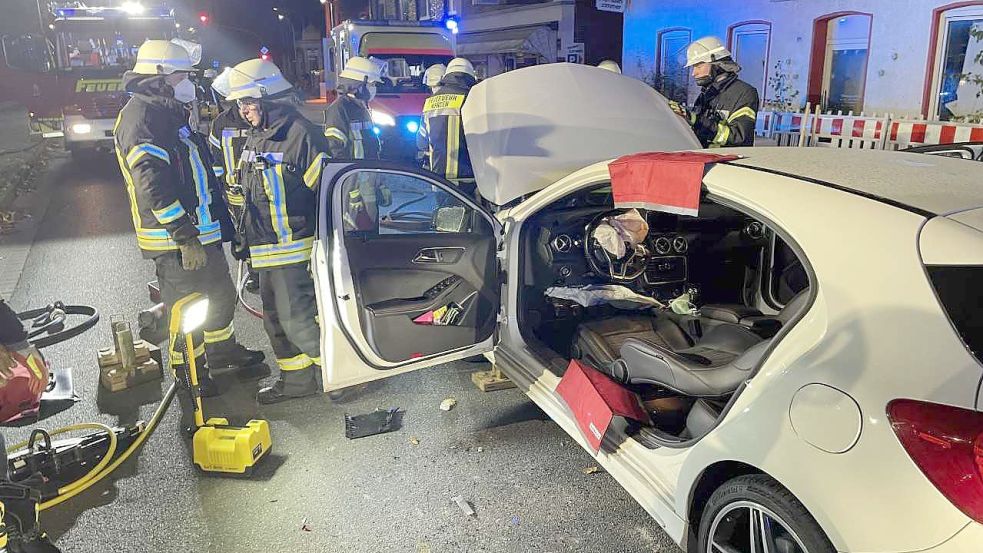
(725, 283)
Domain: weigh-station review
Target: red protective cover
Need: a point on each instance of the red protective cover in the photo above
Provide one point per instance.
(661, 181)
(595, 400)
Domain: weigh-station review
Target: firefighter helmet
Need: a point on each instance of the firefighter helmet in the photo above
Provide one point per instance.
(162, 57)
(220, 84)
(706, 50)
(256, 78)
(433, 74)
(460, 65)
(361, 69)
(610, 65)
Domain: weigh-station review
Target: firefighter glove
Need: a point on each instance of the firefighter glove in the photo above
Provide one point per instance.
(193, 255)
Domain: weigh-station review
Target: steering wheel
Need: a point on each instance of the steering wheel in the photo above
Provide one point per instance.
(47, 325)
(602, 262)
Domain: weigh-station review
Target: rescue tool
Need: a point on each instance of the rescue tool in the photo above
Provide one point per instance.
(217, 446)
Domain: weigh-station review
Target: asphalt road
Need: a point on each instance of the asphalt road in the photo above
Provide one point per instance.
(319, 491)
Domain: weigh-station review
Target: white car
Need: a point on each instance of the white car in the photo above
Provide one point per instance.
(825, 397)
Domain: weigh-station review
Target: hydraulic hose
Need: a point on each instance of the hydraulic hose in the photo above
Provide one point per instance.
(107, 465)
(241, 279)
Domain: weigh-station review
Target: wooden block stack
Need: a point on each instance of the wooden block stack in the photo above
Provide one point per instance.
(115, 377)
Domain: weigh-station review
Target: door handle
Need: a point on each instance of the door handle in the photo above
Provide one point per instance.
(450, 254)
(427, 255)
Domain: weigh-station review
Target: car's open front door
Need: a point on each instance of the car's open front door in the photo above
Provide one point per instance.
(406, 270)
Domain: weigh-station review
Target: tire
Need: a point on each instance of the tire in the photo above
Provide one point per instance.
(798, 531)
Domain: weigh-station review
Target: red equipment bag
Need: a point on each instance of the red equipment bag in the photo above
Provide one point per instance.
(20, 396)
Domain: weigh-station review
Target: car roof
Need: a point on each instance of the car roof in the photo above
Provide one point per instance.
(931, 185)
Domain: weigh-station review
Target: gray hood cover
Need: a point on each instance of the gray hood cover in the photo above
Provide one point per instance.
(529, 128)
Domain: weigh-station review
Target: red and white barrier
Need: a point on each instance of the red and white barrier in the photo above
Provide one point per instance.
(904, 133)
(848, 131)
(762, 125)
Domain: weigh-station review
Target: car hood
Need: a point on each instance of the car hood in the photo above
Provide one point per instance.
(529, 128)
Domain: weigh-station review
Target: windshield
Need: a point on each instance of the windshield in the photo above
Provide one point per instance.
(404, 73)
(105, 48)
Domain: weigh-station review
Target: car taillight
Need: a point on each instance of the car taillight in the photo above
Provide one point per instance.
(947, 445)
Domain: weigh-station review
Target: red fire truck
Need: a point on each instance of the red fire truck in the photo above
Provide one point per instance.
(407, 48)
(70, 78)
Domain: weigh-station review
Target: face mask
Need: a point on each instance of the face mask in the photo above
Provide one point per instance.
(184, 91)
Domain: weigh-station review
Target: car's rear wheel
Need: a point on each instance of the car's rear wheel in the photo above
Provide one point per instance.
(755, 514)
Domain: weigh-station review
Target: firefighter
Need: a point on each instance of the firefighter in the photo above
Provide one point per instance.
(176, 202)
(432, 76)
(347, 121)
(727, 108)
(445, 144)
(610, 65)
(281, 169)
(227, 137)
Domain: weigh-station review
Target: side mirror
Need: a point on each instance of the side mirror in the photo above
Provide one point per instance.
(26, 52)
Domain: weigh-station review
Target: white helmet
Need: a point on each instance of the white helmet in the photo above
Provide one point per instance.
(706, 50)
(256, 78)
(433, 74)
(460, 65)
(162, 57)
(359, 69)
(220, 84)
(610, 65)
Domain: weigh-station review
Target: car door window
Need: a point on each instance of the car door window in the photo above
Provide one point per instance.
(396, 203)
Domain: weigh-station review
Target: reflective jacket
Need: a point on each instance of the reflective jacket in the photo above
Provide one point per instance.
(725, 113)
(441, 132)
(227, 137)
(349, 130)
(281, 168)
(167, 168)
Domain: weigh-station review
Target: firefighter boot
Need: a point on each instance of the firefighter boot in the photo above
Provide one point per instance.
(247, 363)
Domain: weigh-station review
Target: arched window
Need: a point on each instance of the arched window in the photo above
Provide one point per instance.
(956, 43)
(750, 43)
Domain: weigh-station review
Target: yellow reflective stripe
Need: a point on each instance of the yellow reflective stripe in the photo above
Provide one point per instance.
(178, 357)
(267, 260)
(743, 112)
(229, 157)
(141, 150)
(130, 190)
(35, 365)
(273, 181)
(723, 134)
(170, 213)
(443, 101)
(221, 335)
(201, 182)
(214, 141)
(692, 118)
(335, 132)
(237, 200)
(284, 247)
(296, 363)
(316, 361)
(313, 173)
(453, 146)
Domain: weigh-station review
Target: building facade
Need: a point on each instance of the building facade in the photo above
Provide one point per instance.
(899, 56)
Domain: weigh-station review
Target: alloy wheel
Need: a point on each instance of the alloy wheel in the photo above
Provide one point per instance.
(747, 527)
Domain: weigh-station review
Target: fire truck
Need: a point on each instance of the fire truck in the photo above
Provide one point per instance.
(70, 77)
(407, 49)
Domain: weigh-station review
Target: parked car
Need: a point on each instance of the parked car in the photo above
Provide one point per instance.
(826, 396)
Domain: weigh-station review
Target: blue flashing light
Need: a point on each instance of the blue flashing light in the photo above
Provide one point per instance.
(377, 131)
(451, 24)
(412, 127)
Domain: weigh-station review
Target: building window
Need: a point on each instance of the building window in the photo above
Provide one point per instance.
(840, 50)
(750, 43)
(672, 77)
(958, 51)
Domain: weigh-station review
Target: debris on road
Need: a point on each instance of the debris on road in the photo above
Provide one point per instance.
(480, 449)
(592, 470)
(306, 527)
(466, 507)
(448, 404)
(515, 520)
(414, 440)
(377, 422)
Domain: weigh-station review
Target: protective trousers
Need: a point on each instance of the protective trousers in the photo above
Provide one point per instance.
(212, 280)
(290, 319)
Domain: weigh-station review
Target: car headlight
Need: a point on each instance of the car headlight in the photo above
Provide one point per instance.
(412, 126)
(383, 119)
(81, 128)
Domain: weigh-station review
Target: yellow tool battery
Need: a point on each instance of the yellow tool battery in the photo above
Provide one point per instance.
(219, 447)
